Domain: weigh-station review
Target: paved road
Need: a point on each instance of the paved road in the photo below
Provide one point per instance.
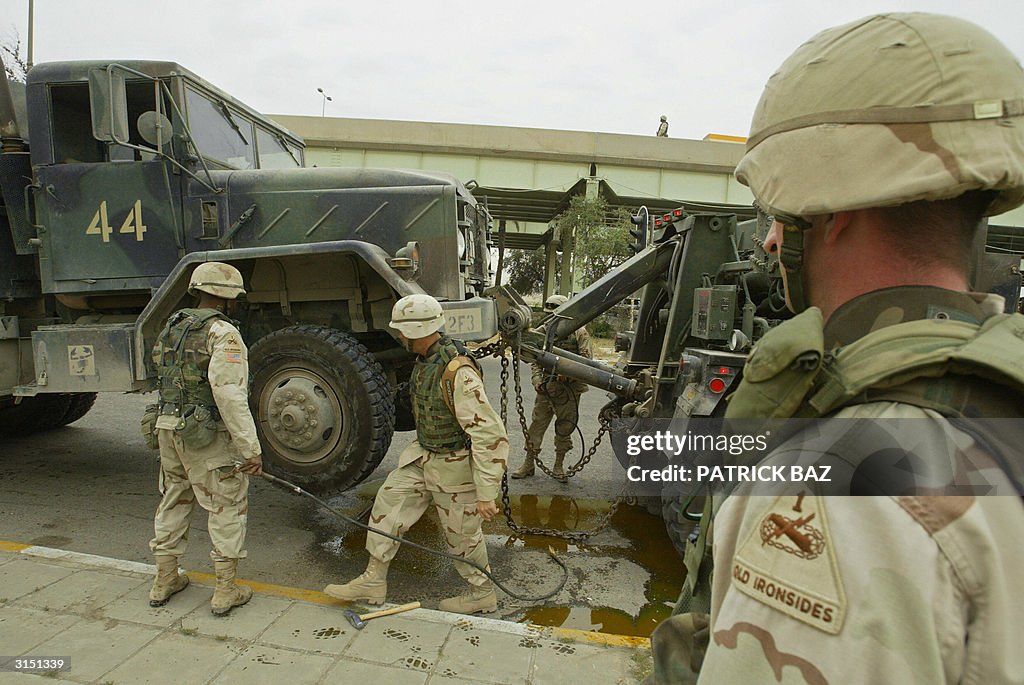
(91, 487)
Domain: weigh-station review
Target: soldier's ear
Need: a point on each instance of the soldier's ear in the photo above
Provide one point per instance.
(834, 225)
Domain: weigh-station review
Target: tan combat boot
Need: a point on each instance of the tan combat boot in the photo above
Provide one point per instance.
(526, 470)
(167, 582)
(556, 471)
(479, 600)
(227, 595)
(371, 586)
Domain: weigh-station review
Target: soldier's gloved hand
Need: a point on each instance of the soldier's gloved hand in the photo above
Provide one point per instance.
(252, 466)
(487, 509)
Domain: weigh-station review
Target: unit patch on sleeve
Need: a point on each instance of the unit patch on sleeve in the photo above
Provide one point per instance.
(233, 351)
(788, 563)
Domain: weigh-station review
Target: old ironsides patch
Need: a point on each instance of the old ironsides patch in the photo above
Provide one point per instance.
(788, 563)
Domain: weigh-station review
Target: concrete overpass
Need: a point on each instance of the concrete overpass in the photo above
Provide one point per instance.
(526, 176)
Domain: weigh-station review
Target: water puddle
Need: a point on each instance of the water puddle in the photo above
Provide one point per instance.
(634, 550)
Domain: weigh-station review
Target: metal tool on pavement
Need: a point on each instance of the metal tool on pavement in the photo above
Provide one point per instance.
(359, 621)
(526, 598)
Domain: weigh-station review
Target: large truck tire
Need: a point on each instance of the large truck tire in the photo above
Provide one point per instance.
(33, 414)
(323, 407)
(79, 406)
(677, 526)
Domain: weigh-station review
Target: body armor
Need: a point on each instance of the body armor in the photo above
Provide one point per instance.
(437, 429)
(924, 363)
(182, 362)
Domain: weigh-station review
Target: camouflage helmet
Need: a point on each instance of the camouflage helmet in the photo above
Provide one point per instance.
(417, 316)
(554, 302)
(217, 279)
(664, 118)
(886, 110)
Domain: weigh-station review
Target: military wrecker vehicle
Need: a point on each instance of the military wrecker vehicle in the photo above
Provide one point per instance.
(708, 291)
(121, 177)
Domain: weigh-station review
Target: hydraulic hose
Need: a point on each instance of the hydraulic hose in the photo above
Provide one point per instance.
(526, 598)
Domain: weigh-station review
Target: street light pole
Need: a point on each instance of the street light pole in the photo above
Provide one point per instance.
(327, 98)
(31, 8)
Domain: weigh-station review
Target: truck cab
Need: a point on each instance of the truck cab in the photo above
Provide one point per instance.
(135, 172)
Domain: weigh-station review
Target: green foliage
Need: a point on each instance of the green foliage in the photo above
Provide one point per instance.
(525, 270)
(14, 60)
(601, 327)
(602, 243)
(602, 236)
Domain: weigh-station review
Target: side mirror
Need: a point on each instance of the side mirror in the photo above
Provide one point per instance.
(109, 103)
(155, 129)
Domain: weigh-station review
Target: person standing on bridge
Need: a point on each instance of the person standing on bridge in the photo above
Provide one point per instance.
(206, 435)
(457, 461)
(558, 397)
(663, 127)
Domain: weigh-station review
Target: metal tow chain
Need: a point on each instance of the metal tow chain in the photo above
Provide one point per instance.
(605, 418)
(604, 421)
(497, 349)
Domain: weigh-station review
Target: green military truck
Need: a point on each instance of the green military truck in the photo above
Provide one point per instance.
(118, 178)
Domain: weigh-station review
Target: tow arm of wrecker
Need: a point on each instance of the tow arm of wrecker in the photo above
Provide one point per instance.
(708, 293)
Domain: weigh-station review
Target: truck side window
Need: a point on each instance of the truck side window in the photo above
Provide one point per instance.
(220, 133)
(73, 142)
(273, 154)
(72, 125)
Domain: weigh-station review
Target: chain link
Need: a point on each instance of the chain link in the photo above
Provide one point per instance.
(604, 421)
(605, 418)
(494, 349)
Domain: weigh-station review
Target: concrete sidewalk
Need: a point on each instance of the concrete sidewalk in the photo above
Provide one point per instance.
(94, 612)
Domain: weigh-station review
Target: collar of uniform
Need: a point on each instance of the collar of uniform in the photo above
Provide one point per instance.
(436, 347)
(889, 306)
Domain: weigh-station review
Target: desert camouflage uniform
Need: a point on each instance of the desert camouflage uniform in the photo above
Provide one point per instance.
(453, 480)
(559, 398)
(208, 475)
(898, 589)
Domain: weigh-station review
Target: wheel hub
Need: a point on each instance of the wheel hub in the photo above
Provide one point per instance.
(301, 415)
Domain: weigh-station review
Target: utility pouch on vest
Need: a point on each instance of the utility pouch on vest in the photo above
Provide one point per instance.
(197, 427)
(781, 369)
(148, 426)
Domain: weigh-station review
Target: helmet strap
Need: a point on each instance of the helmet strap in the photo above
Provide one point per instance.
(792, 258)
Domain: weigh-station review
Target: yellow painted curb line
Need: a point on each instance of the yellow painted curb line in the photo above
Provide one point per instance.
(316, 597)
(590, 636)
(312, 596)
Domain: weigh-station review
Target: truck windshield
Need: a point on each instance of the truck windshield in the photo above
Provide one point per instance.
(219, 133)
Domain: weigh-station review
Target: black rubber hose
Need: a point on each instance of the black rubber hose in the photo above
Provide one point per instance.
(299, 491)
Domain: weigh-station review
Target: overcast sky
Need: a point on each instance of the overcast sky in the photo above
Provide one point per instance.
(612, 66)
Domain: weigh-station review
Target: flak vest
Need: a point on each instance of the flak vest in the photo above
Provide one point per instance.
(431, 387)
(955, 368)
(183, 361)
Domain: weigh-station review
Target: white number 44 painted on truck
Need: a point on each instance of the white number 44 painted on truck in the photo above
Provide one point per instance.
(132, 223)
